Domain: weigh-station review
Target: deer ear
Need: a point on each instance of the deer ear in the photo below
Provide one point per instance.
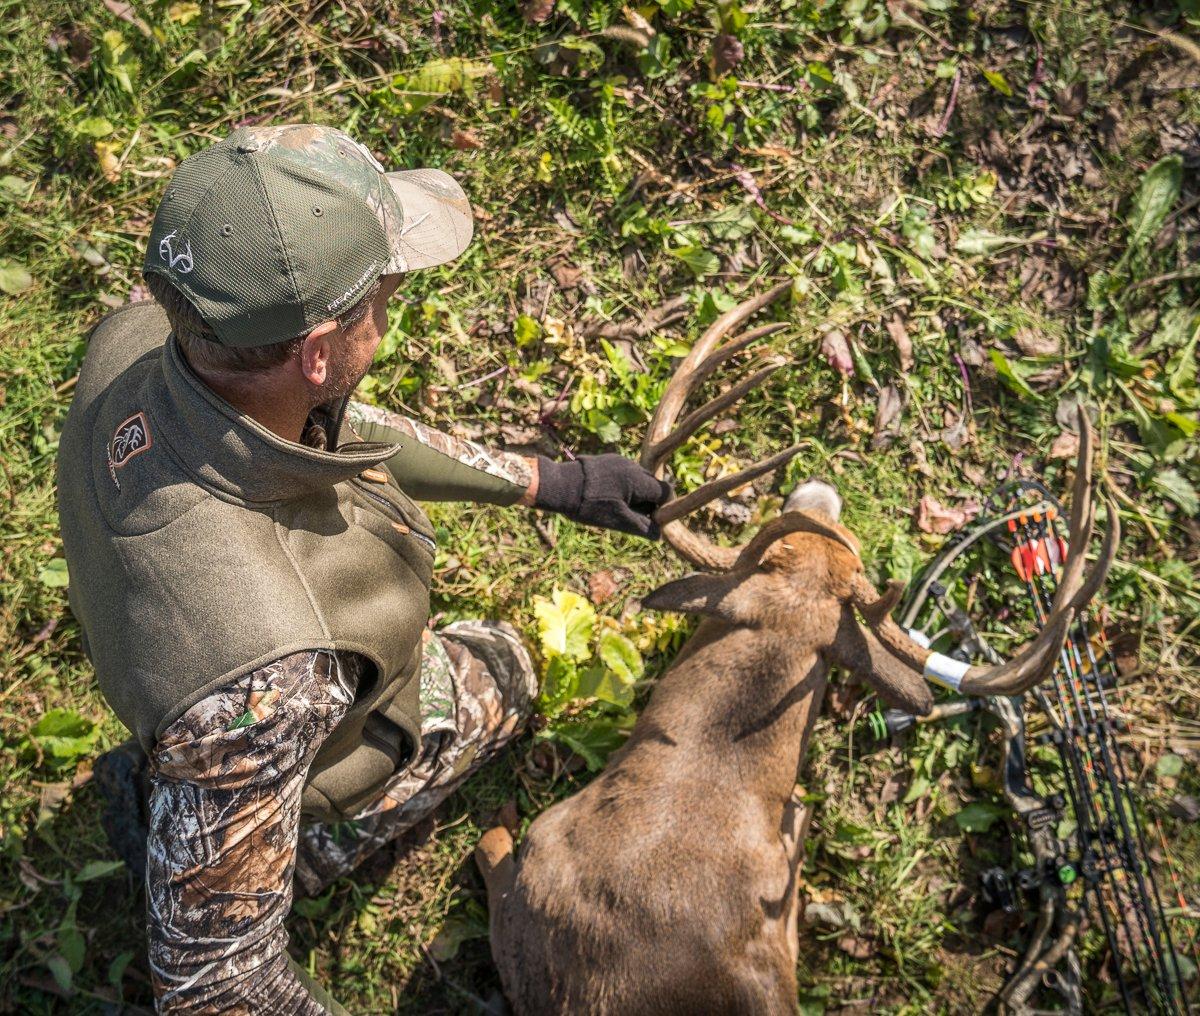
(730, 596)
(857, 650)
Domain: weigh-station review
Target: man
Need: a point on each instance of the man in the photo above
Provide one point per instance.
(249, 568)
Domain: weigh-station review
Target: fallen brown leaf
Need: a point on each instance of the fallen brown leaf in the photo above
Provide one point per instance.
(836, 351)
(1065, 446)
(899, 335)
(567, 276)
(602, 586)
(935, 517)
(536, 11)
(464, 140)
(887, 416)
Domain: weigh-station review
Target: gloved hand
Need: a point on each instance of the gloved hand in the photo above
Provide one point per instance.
(602, 490)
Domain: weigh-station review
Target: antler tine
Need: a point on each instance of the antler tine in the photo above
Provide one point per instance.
(793, 522)
(697, 365)
(698, 417)
(731, 349)
(681, 506)
(683, 380)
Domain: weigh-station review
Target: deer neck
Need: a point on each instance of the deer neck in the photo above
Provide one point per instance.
(743, 698)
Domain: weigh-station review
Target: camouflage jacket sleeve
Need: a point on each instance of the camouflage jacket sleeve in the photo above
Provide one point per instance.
(434, 466)
(224, 819)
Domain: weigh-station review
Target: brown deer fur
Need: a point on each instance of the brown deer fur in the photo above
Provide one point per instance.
(668, 884)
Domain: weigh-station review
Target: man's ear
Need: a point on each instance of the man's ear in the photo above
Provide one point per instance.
(315, 352)
(730, 596)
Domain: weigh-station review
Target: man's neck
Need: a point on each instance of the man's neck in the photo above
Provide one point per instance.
(265, 398)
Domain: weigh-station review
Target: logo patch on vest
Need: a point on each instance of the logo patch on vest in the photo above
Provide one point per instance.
(129, 439)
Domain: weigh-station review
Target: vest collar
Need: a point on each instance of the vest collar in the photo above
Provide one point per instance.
(234, 455)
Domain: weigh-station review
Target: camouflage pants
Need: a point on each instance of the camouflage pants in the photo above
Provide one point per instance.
(477, 689)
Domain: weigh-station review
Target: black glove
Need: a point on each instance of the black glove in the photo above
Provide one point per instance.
(602, 490)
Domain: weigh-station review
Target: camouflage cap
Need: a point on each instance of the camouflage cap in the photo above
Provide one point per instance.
(276, 229)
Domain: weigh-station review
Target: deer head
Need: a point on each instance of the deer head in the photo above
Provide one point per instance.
(801, 575)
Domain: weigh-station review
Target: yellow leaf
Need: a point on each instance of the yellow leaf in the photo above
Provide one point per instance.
(106, 155)
(183, 13)
(566, 622)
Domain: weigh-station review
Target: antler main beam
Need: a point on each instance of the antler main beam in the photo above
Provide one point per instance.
(1036, 660)
(666, 432)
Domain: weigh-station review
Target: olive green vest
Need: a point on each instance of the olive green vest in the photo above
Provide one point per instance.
(202, 546)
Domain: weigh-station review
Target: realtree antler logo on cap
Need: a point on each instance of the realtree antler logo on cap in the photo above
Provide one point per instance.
(181, 262)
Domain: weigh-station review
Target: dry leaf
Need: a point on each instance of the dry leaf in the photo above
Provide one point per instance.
(602, 586)
(728, 52)
(567, 276)
(106, 155)
(1065, 446)
(1034, 343)
(859, 948)
(464, 140)
(904, 348)
(536, 11)
(836, 351)
(887, 416)
(934, 517)
(126, 12)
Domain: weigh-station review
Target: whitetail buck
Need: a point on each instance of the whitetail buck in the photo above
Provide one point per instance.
(669, 883)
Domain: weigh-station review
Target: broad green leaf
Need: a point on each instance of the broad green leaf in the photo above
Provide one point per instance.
(917, 789)
(730, 223)
(605, 685)
(94, 127)
(97, 869)
(1010, 377)
(560, 684)
(1169, 765)
(978, 817)
(1156, 195)
(814, 1001)
(15, 188)
(998, 82)
(566, 623)
(594, 740)
(72, 946)
(1171, 483)
(14, 278)
(1174, 329)
(54, 574)
(621, 656)
(700, 262)
(61, 723)
(61, 971)
(64, 735)
(1181, 372)
(116, 969)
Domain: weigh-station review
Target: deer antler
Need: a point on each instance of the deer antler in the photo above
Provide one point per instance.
(664, 434)
(1037, 658)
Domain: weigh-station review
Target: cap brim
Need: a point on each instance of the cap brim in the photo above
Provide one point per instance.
(436, 225)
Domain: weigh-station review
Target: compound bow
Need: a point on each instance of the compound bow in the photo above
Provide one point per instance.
(1103, 847)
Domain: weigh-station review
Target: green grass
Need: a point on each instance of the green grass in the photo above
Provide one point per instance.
(588, 145)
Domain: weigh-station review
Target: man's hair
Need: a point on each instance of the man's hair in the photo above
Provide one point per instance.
(204, 350)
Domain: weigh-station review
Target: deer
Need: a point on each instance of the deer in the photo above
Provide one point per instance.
(669, 883)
